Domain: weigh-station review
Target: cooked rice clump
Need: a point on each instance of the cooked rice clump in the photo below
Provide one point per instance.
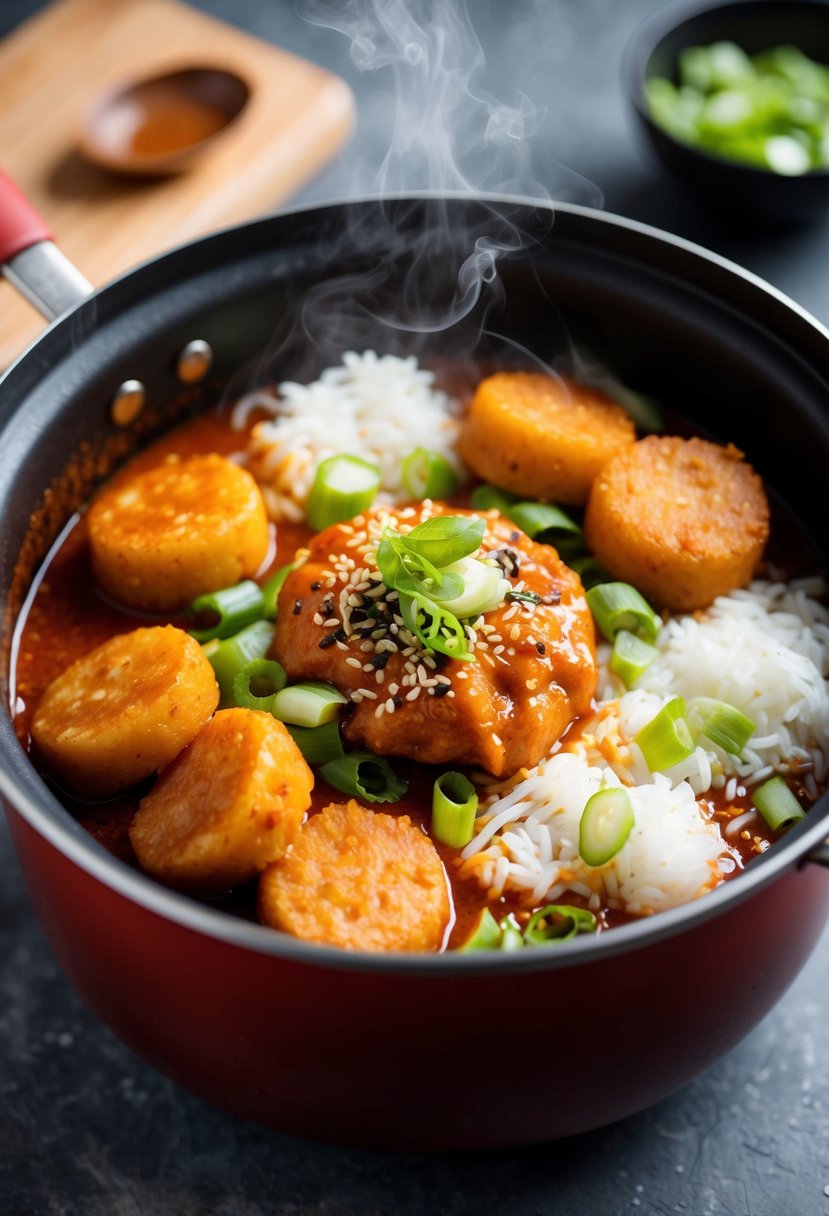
(374, 406)
(764, 650)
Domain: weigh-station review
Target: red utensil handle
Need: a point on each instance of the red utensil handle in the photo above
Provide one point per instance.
(20, 224)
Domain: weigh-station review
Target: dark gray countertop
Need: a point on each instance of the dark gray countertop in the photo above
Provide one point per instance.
(86, 1129)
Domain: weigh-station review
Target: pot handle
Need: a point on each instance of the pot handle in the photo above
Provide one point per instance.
(31, 261)
(820, 855)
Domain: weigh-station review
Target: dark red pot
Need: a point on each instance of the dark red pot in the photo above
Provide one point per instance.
(433, 1051)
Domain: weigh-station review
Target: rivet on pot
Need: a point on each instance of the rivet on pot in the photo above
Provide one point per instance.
(194, 362)
(128, 402)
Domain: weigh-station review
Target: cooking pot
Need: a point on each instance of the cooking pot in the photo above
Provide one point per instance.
(433, 1051)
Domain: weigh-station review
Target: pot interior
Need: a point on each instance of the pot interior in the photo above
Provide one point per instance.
(282, 298)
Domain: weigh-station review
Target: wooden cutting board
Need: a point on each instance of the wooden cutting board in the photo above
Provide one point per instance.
(51, 67)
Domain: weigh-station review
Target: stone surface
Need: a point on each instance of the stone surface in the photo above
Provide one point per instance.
(86, 1129)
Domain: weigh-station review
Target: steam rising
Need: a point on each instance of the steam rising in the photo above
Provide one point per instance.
(417, 274)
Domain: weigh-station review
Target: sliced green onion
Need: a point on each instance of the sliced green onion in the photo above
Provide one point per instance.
(618, 606)
(631, 657)
(318, 744)
(271, 589)
(436, 629)
(606, 822)
(487, 935)
(548, 525)
(343, 487)
(310, 704)
(723, 724)
(483, 587)
(511, 936)
(454, 803)
(258, 683)
(428, 474)
(363, 775)
(228, 656)
(558, 923)
(666, 740)
(488, 498)
(777, 804)
(229, 610)
(590, 572)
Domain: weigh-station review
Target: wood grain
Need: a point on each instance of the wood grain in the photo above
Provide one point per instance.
(51, 68)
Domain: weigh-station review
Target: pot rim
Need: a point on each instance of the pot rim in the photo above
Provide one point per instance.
(50, 820)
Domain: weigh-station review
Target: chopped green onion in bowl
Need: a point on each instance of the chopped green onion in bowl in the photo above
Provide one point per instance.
(223, 613)
(364, 775)
(617, 606)
(666, 739)
(631, 657)
(428, 474)
(724, 724)
(770, 110)
(309, 704)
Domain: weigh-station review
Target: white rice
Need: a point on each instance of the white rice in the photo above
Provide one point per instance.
(764, 650)
(377, 407)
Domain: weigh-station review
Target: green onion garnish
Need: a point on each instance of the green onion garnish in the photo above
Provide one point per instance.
(618, 606)
(558, 923)
(257, 685)
(310, 704)
(428, 474)
(229, 610)
(363, 775)
(443, 539)
(228, 656)
(271, 589)
(454, 803)
(666, 740)
(343, 487)
(488, 498)
(777, 804)
(511, 936)
(548, 525)
(720, 722)
(631, 657)
(487, 935)
(606, 822)
(318, 744)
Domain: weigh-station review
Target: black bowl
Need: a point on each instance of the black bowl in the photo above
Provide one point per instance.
(744, 192)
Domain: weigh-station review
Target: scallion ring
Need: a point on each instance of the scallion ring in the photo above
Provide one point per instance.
(309, 704)
(606, 822)
(428, 474)
(511, 936)
(548, 525)
(558, 923)
(454, 804)
(228, 656)
(318, 744)
(777, 804)
(343, 487)
(271, 589)
(227, 611)
(666, 740)
(257, 685)
(724, 724)
(364, 775)
(487, 935)
(489, 498)
(631, 657)
(618, 606)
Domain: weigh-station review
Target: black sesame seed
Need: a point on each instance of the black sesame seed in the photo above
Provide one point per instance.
(315, 586)
(379, 661)
(508, 560)
(440, 690)
(540, 647)
(553, 598)
(297, 607)
(339, 635)
(327, 641)
(398, 701)
(327, 607)
(514, 536)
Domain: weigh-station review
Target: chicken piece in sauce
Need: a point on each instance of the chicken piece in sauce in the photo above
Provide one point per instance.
(534, 670)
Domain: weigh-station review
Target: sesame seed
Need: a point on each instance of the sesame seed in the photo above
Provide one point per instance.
(297, 607)
(515, 633)
(390, 706)
(498, 650)
(331, 623)
(496, 739)
(369, 694)
(380, 710)
(327, 641)
(532, 685)
(352, 662)
(317, 619)
(366, 647)
(380, 677)
(510, 612)
(540, 647)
